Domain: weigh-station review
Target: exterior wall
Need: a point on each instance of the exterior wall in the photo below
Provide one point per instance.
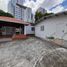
(19, 13)
(27, 15)
(33, 18)
(16, 10)
(20, 2)
(54, 26)
(28, 30)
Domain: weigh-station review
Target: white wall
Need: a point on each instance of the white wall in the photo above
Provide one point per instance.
(27, 30)
(54, 26)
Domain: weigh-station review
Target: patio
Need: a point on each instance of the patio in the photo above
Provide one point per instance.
(32, 52)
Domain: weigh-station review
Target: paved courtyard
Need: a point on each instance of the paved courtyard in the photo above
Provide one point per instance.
(32, 52)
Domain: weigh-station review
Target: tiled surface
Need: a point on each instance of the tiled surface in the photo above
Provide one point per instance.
(20, 36)
(32, 53)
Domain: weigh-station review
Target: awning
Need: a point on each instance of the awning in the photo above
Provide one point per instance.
(13, 20)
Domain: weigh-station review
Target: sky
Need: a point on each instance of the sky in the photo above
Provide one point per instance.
(3, 5)
(54, 6)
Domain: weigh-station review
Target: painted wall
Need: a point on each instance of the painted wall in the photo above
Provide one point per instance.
(54, 26)
(28, 30)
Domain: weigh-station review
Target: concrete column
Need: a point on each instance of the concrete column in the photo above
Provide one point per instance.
(20, 30)
(24, 30)
(5, 31)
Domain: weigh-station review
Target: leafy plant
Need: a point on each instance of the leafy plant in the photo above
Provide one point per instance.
(39, 15)
(2, 13)
(50, 37)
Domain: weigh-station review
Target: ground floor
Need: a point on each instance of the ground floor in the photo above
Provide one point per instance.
(11, 26)
(8, 29)
(32, 52)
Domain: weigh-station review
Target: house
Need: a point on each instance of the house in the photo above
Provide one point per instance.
(11, 26)
(52, 26)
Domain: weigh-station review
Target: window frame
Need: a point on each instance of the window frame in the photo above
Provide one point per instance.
(33, 29)
(42, 28)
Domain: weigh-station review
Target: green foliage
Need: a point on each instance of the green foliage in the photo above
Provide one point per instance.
(2, 13)
(39, 15)
(9, 15)
(47, 14)
(50, 37)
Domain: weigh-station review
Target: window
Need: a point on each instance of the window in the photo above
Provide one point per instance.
(32, 28)
(42, 28)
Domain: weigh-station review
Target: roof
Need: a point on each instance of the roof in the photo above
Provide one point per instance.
(13, 20)
(50, 16)
(21, 6)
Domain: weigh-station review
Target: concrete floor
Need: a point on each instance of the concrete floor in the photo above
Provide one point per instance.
(32, 52)
(5, 40)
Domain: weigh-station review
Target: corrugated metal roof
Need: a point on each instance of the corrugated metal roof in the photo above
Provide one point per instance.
(13, 20)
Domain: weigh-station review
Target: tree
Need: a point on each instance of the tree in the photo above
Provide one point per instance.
(47, 14)
(9, 15)
(2, 13)
(38, 15)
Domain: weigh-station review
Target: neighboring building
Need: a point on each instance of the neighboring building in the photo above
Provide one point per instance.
(27, 15)
(10, 26)
(33, 18)
(16, 8)
(42, 10)
(52, 26)
(33, 0)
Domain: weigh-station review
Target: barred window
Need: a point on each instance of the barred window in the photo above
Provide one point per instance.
(42, 28)
(32, 28)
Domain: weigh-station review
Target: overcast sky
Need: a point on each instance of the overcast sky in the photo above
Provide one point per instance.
(51, 5)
